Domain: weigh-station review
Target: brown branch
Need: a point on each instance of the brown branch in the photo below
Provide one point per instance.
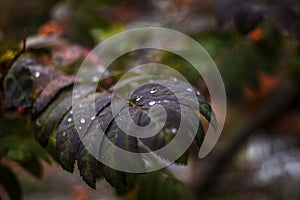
(275, 107)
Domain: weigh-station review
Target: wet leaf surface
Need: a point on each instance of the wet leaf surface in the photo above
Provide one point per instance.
(49, 96)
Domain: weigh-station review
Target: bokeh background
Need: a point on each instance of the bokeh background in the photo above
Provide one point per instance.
(255, 45)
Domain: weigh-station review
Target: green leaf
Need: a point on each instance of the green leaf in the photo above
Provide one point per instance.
(16, 150)
(67, 142)
(21, 150)
(164, 95)
(117, 179)
(87, 165)
(157, 92)
(48, 121)
(70, 147)
(18, 84)
(105, 119)
(120, 139)
(49, 92)
(51, 100)
(52, 151)
(157, 185)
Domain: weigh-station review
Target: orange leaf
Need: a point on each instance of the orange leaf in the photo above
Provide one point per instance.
(256, 35)
(51, 28)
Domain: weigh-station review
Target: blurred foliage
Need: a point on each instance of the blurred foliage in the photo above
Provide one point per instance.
(17, 145)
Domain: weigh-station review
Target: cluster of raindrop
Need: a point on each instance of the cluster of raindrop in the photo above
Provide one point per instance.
(138, 98)
(151, 103)
(69, 120)
(189, 90)
(153, 90)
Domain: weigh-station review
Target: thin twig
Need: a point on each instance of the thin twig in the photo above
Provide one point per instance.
(20, 52)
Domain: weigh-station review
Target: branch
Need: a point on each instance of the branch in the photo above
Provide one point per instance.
(275, 107)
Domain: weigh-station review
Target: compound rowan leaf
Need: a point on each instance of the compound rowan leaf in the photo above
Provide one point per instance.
(90, 124)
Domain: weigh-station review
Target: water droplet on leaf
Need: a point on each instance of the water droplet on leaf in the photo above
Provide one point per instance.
(151, 103)
(138, 98)
(153, 90)
(174, 130)
(37, 74)
(38, 123)
(94, 79)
